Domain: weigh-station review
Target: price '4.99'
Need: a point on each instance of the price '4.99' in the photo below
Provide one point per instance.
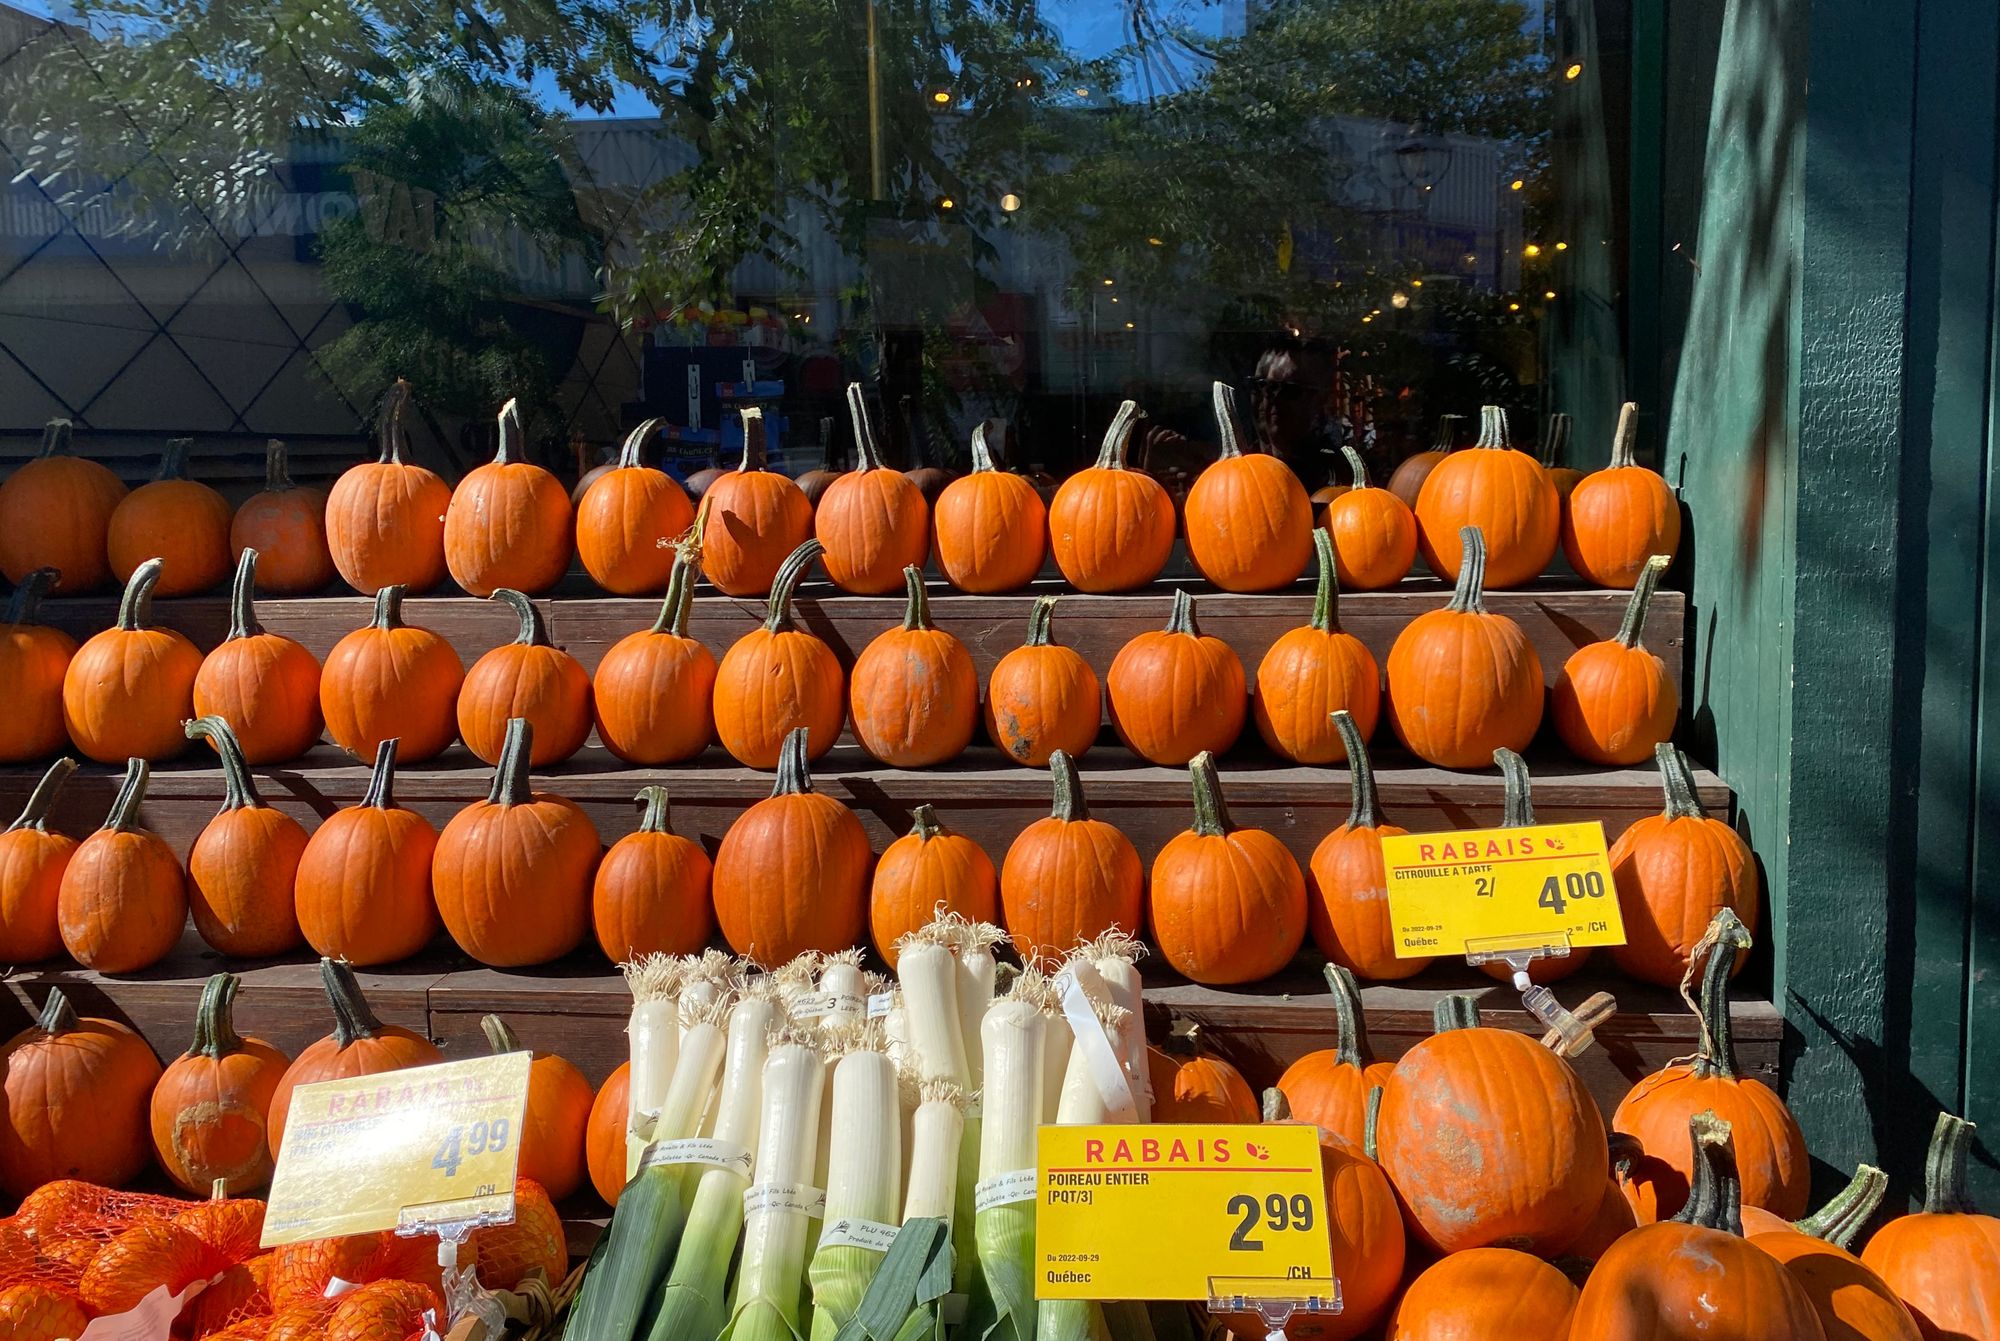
(461, 1143)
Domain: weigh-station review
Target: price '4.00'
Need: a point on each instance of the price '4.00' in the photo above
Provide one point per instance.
(460, 1144)
(1559, 892)
(1277, 1211)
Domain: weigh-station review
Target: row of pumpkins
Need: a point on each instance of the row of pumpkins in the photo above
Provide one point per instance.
(1247, 519)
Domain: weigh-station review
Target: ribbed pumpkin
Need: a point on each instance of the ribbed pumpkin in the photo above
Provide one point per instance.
(56, 511)
(1853, 1303)
(1486, 1294)
(1178, 692)
(123, 899)
(360, 1045)
(1490, 1138)
(654, 690)
(32, 861)
(991, 527)
(1347, 887)
(209, 1108)
(128, 689)
(76, 1093)
(140, 1259)
(1941, 1262)
(530, 678)
(872, 520)
(1616, 519)
(265, 685)
(510, 522)
(1111, 527)
(391, 680)
(363, 885)
(40, 1313)
(778, 678)
(1329, 1087)
(1407, 480)
(183, 523)
(1249, 522)
(1042, 697)
(509, 1254)
(1675, 871)
(243, 865)
(286, 522)
(1517, 811)
(604, 1139)
(1464, 682)
(929, 870)
(651, 891)
(1374, 532)
(1226, 905)
(913, 693)
(1310, 673)
(1500, 491)
(384, 1310)
(33, 660)
(756, 518)
(1613, 702)
(511, 874)
(558, 1111)
(629, 518)
(385, 518)
(1189, 1086)
(1069, 878)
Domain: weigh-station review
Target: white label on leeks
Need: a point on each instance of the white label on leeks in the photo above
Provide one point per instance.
(1107, 1068)
(716, 1154)
(802, 1198)
(1005, 1189)
(812, 1005)
(849, 1232)
(880, 1004)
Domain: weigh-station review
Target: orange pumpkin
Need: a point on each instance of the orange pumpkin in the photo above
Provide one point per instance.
(1249, 522)
(183, 523)
(385, 1310)
(1112, 527)
(509, 523)
(141, 1259)
(385, 518)
(913, 692)
(604, 1139)
(1198, 1088)
(535, 1242)
(1675, 871)
(756, 519)
(1618, 518)
(286, 523)
(391, 680)
(777, 678)
(1374, 532)
(1517, 811)
(33, 660)
(1310, 673)
(32, 861)
(654, 689)
(209, 1108)
(123, 900)
(651, 892)
(1329, 1087)
(243, 864)
(791, 874)
(1042, 697)
(1347, 887)
(532, 678)
(76, 1093)
(1464, 682)
(511, 874)
(301, 1273)
(1407, 480)
(363, 885)
(265, 685)
(40, 1313)
(991, 526)
(929, 870)
(1853, 1303)
(1615, 1217)
(1486, 1294)
(56, 511)
(1555, 441)
(1501, 492)
(872, 520)
(1614, 702)
(1069, 878)
(552, 1125)
(629, 518)
(1177, 692)
(128, 689)
(360, 1045)
(1940, 1261)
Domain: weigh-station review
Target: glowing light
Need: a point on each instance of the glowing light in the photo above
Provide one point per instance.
(1083, 93)
(1156, 242)
(1575, 69)
(1114, 297)
(947, 203)
(941, 97)
(1010, 202)
(1128, 325)
(1516, 184)
(1513, 307)
(1399, 299)
(1416, 284)
(1472, 258)
(1109, 282)
(1375, 312)
(1562, 246)
(1366, 320)
(1531, 250)
(1548, 293)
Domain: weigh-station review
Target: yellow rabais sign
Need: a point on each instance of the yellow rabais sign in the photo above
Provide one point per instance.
(1160, 1212)
(1479, 889)
(406, 1149)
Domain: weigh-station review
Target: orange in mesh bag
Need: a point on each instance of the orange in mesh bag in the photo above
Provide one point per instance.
(40, 1313)
(302, 1271)
(64, 1225)
(509, 1254)
(388, 1310)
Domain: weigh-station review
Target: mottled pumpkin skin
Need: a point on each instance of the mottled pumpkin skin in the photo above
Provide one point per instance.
(1249, 523)
(1502, 492)
(546, 685)
(1198, 1089)
(1770, 1149)
(755, 519)
(509, 525)
(792, 876)
(207, 1118)
(874, 524)
(1333, 1094)
(242, 873)
(914, 697)
(183, 523)
(1227, 908)
(75, 1106)
(1675, 1282)
(126, 693)
(33, 661)
(769, 683)
(287, 528)
(363, 885)
(1673, 877)
(1463, 684)
(1614, 520)
(1042, 697)
(512, 882)
(1067, 881)
(1374, 538)
(385, 526)
(1853, 1303)
(1486, 1294)
(1612, 704)
(1111, 529)
(123, 901)
(55, 512)
(651, 896)
(653, 695)
(1303, 678)
(1174, 695)
(915, 875)
(1347, 904)
(266, 686)
(1946, 1268)
(604, 1139)
(990, 531)
(625, 526)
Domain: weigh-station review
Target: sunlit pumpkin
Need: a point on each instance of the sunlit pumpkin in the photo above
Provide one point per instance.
(557, 1112)
(1617, 518)
(1853, 1302)
(873, 520)
(34, 658)
(363, 885)
(1347, 886)
(1312, 672)
(1226, 904)
(76, 1091)
(604, 1139)
(1614, 702)
(181, 522)
(1329, 1087)
(286, 523)
(1485, 1294)
(244, 862)
(779, 678)
(1517, 811)
(913, 694)
(128, 689)
(391, 680)
(1374, 532)
(755, 519)
(929, 870)
(1177, 692)
(990, 527)
(1111, 527)
(653, 693)
(651, 892)
(1068, 878)
(32, 860)
(1249, 521)
(1501, 492)
(1190, 1086)
(55, 512)
(1041, 696)
(123, 899)
(509, 523)
(265, 685)
(385, 518)
(1674, 872)
(530, 678)
(1941, 1262)
(209, 1108)
(360, 1045)
(628, 519)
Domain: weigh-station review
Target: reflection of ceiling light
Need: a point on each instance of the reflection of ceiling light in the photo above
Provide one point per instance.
(1376, 312)
(1513, 307)
(1472, 258)
(1156, 242)
(1416, 284)
(1109, 282)
(947, 203)
(1128, 326)
(1114, 297)
(1083, 93)
(940, 97)
(1399, 299)
(1366, 320)
(1531, 250)
(1575, 69)
(1548, 293)
(1562, 246)
(1516, 184)
(1010, 202)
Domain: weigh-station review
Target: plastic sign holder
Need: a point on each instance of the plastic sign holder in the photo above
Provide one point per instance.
(1274, 1303)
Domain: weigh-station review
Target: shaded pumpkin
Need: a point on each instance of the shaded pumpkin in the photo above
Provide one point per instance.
(1615, 1217)
(391, 680)
(1249, 521)
(1675, 871)
(1111, 527)
(181, 522)
(913, 693)
(832, 465)
(872, 521)
(76, 1091)
(1312, 672)
(1347, 885)
(55, 511)
(651, 893)
(385, 518)
(653, 694)
(1555, 442)
(530, 678)
(1941, 1262)
(991, 527)
(756, 519)
(1042, 697)
(604, 1139)
(1329, 1087)
(1485, 1294)
(509, 1255)
(1198, 1088)
(1853, 1303)
(360, 1045)
(34, 658)
(32, 860)
(628, 519)
(928, 871)
(1500, 492)
(509, 523)
(1407, 480)
(1613, 701)
(1176, 693)
(363, 884)
(265, 685)
(1374, 533)
(1517, 811)
(1068, 879)
(286, 522)
(553, 1122)
(1618, 518)
(209, 1107)
(123, 898)
(243, 867)
(128, 689)
(779, 678)
(927, 470)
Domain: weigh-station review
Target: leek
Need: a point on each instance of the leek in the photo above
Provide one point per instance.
(1116, 958)
(769, 1281)
(863, 1184)
(929, 974)
(1011, 1038)
(1083, 1103)
(937, 1132)
(654, 1031)
(842, 1005)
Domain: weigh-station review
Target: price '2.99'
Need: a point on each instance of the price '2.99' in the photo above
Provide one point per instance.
(461, 1143)
(1277, 1212)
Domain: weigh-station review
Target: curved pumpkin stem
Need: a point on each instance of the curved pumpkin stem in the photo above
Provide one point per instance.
(1372, 1124)
(1468, 595)
(1677, 779)
(511, 786)
(753, 439)
(654, 818)
(1070, 805)
(1350, 1022)
(239, 789)
(1633, 626)
(1364, 812)
(680, 597)
(916, 602)
(1716, 1198)
(1493, 429)
(982, 449)
(924, 823)
(1457, 1011)
(174, 460)
(243, 598)
(58, 1016)
(1944, 1167)
(135, 606)
(794, 768)
(534, 627)
(352, 1018)
(1040, 616)
(1447, 434)
(1223, 397)
(1844, 1221)
(131, 792)
(35, 814)
(789, 574)
(1555, 440)
(381, 793)
(513, 446)
(499, 1037)
(56, 437)
(829, 453)
(1276, 1107)
(215, 1033)
(395, 438)
(1326, 596)
(1725, 938)
(867, 447)
(277, 467)
(632, 452)
(1357, 465)
(26, 602)
(1118, 437)
(1626, 438)
(1625, 1152)
(1211, 815)
(1517, 807)
(388, 608)
(1181, 618)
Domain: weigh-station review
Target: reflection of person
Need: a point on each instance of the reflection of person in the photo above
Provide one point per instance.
(1289, 398)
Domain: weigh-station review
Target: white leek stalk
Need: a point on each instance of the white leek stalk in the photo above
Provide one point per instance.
(772, 1274)
(1040, 992)
(977, 970)
(1083, 1104)
(896, 1029)
(936, 1133)
(1116, 957)
(705, 980)
(929, 973)
(654, 1037)
(1011, 1037)
(843, 994)
(863, 1187)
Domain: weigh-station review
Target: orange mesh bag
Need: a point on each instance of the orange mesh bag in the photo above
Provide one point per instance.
(65, 1224)
(509, 1254)
(231, 1226)
(302, 1271)
(143, 1258)
(302, 1321)
(388, 1310)
(233, 1298)
(40, 1313)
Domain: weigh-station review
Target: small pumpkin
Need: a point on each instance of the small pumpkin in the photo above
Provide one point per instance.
(604, 1139)
(553, 1123)
(1374, 532)
(244, 863)
(286, 522)
(1249, 521)
(791, 874)
(509, 523)
(1042, 697)
(654, 690)
(778, 678)
(1227, 905)
(385, 518)
(1177, 692)
(913, 693)
(33, 661)
(128, 689)
(141, 1259)
(363, 885)
(531, 678)
(1464, 682)
(1674, 872)
(384, 1310)
(391, 680)
(1407, 480)
(56, 511)
(123, 900)
(1347, 886)
(511, 1254)
(303, 1273)
(209, 1107)
(1111, 527)
(815, 482)
(628, 519)
(1190, 1086)
(1485, 1294)
(651, 892)
(756, 520)
(1853, 1303)
(991, 526)
(1502, 492)
(32, 860)
(1068, 879)
(76, 1093)
(927, 471)
(1312, 672)
(511, 874)
(928, 871)
(697, 484)
(1618, 518)
(265, 685)
(1613, 702)
(1616, 1216)
(1517, 811)
(1555, 442)
(1940, 1261)
(183, 523)
(1329, 1087)
(360, 1045)
(40, 1313)
(872, 521)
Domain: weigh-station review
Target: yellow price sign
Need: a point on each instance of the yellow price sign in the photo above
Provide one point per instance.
(1485, 890)
(1160, 1212)
(406, 1150)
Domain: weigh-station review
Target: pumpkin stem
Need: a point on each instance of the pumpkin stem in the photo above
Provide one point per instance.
(1276, 1107)
(135, 606)
(1633, 625)
(498, 1036)
(1493, 428)
(1843, 1220)
(1326, 596)
(982, 450)
(654, 818)
(1625, 438)
(243, 597)
(1457, 1011)
(1555, 440)
(1111, 453)
(277, 467)
(352, 1018)
(1678, 782)
(829, 455)
(1447, 434)
(511, 786)
(395, 437)
(794, 769)
(239, 789)
(174, 460)
(26, 602)
(924, 823)
(1070, 805)
(916, 604)
(513, 447)
(1357, 465)
(58, 1016)
(1181, 619)
(1517, 808)
(789, 574)
(631, 453)
(1468, 596)
(388, 608)
(867, 447)
(1040, 616)
(1211, 815)
(132, 791)
(1223, 397)
(56, 438)
(1725, 938)
(1372, 1123)
(35, 814)
(1944, 1167)
(215, 1033)
(1625, 1152)
(680, 597)
(1716, 1198)
(534, 627)
(1350, 1023)
(381, 793)
(1364, 812)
